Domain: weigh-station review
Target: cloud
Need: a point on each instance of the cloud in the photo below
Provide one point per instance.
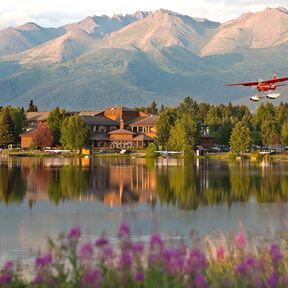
(55, 13)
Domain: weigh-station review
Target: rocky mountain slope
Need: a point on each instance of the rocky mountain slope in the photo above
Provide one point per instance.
(135, 59)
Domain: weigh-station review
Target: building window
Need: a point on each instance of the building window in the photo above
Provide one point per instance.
(102, 129)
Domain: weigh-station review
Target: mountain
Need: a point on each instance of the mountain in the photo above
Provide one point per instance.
(98, 26)
(15, 40)
(68, 46)
(136, 59)
(161, 29)
(265, 29)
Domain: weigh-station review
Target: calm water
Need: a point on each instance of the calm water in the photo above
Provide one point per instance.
(41, 197)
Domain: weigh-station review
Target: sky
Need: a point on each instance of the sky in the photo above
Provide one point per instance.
(55, 13)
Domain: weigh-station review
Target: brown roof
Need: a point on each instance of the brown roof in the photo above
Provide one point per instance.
(121, 131)
(89, 113)
(143, 137)
(37, 116)
(99, 120)
(29, 133)
(120, 108)
(99, 136)
(150, 120)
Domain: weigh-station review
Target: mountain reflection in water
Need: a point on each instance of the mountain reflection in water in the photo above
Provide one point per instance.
(182, 184)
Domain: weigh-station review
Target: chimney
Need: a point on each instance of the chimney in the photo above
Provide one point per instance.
(121, 123)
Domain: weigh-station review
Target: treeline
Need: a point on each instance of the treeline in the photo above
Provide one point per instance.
(179, 128)
(12, 124)
(62, 129)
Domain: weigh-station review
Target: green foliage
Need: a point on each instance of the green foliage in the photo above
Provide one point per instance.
(74, 133)
(165, 123)
(232, 155)
(33, 146)
(185, 134)
(241, 138)
(19, 119)
(256, 155)
(32, 107)
(55, 120)
(284, 134)
(7, 128)
(150, 151)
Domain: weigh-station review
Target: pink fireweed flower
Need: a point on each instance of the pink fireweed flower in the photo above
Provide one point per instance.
(9, 266)
(101, 242)
(138, 247)
(196, 261)
(91, 278)
(125, 260)
(86, 252)
(124, 231)
(200, 281)
(156, 242)
(6, 279)
(240, 240)
(108, 252)
(220, 253)
(272, 281)
(74, 233)
(43, 261)
(275, 254)
(139, 277)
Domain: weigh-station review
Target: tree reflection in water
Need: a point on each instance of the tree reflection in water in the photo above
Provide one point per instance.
(115, 182)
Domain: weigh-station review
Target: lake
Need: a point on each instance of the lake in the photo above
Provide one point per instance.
(46, 196)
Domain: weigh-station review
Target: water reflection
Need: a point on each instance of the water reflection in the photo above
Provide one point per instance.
(186, 185)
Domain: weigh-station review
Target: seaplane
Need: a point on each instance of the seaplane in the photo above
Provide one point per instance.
(264, 86)
(166, 153)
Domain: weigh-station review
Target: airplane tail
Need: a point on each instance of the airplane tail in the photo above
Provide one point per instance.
(275, 77)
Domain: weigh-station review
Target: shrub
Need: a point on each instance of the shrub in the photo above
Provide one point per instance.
(150, 151)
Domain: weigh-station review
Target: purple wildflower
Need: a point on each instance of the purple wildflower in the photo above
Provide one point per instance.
(38, 279)
(86, 252)
(91, 278)
(74, 233)
(272, 281)
(6, 278)
(124, 231)
(43, 261)
(200, 281)
(125, 261)
(108, 252)
(156, 242)
(196, 261)
(275, 254)
(138, 247)
(101, 242)
(9, 265)
(139, 277)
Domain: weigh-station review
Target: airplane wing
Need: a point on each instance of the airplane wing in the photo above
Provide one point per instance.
(244, 84)
(276, 80)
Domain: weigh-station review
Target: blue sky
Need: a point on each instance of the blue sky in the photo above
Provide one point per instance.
(54, 13)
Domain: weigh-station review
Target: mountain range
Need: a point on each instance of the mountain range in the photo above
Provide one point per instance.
(135, 59)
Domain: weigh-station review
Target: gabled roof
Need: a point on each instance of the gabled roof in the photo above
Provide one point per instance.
(89, 113)
(29, 133)
(37, 116)
(99, 136)
(120, 108)
(121, 131)
(99, 120)
(143, 137)
(150, 120)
